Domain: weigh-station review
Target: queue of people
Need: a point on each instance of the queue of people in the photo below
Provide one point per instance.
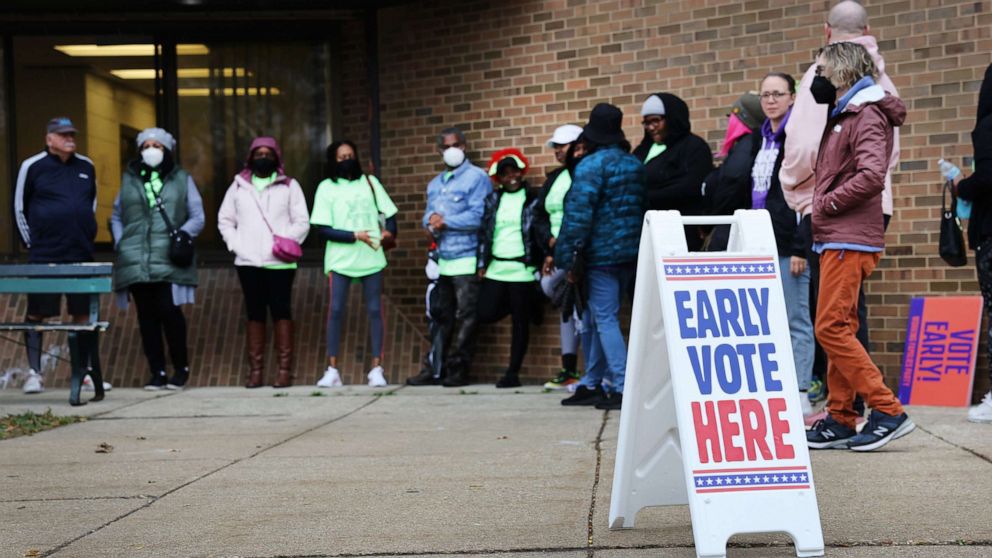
(500, 244)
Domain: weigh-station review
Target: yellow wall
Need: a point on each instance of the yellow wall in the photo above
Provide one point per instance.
(107, 108)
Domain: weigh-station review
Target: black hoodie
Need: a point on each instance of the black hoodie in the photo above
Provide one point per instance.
(674, 179)
(977, 188)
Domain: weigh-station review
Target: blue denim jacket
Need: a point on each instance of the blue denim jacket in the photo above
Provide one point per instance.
(603, 210)
(461, 200)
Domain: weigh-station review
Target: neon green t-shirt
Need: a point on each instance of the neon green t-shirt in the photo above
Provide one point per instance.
(656, 149)
(261, 184)
(349, 206)
(554, 203)
(454, 268)
(508, 241)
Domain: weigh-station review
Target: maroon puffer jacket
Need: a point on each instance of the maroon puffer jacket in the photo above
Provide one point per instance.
(850, 169)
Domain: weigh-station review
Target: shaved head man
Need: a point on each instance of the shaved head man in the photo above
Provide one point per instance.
(847, 21)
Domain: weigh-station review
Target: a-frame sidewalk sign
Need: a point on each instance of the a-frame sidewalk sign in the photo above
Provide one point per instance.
(711, 414)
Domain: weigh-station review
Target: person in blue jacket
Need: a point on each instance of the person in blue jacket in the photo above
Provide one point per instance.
(604, 210)
(456, 199)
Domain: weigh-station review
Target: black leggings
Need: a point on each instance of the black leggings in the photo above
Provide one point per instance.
(983, 262)
(267, 291)
(157, 314)
(499, 298)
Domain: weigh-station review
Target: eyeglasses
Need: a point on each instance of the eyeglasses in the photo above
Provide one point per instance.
(651, 122)
(769, 95)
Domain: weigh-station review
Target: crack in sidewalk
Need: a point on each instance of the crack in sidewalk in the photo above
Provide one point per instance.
(590, 549)
(65, 544)
(981, 456)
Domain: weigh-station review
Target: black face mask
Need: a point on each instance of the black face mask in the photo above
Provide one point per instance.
(349, 169)
(263, 167)
(824, 92)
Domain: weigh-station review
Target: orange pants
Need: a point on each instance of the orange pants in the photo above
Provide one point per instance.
(850, 370)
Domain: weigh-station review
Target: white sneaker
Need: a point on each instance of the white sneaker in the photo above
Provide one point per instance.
(376, 379)
(983, 411)
(804, 404)
(88, 384)
(34, 383)
(332, 378)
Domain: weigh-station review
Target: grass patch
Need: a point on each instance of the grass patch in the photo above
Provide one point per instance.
(26, 424)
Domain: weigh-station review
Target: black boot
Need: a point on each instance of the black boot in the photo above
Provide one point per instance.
(424, 378)
(455, 377)
(584, 396)
(509, 380)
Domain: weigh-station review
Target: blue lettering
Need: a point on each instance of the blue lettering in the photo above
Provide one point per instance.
(706, 321)
(685, 314)
(747, 351)
(765, 352)
(726, 302)
(727, 356)
(761, 305)
(704, 372)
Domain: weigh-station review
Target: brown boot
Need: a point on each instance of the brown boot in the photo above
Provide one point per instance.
(284, 353)
(256, 354)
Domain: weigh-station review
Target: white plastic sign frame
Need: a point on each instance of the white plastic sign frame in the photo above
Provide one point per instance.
(724, 434)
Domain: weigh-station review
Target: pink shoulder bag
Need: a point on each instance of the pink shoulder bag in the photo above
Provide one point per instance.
(285, 249)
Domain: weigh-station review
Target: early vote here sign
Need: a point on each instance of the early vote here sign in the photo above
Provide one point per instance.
(731, 356)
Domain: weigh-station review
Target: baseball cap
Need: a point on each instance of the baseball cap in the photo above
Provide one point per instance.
(564, 135)
(60, 125)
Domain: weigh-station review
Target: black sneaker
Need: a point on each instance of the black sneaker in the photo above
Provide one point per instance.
(880, 430)
(610, 402)
(424, 378)
(508, 381)
(828, 433)
(455, 378)
(584, 396)
(157, 381)
(179, 379)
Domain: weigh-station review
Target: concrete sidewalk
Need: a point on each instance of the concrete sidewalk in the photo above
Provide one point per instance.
(427, 472)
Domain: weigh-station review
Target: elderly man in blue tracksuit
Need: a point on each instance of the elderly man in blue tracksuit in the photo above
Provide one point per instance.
(54, 203)
(455, 203)
(603, 214)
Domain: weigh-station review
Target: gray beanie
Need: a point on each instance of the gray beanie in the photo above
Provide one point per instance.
(653, 105)
(159, 135)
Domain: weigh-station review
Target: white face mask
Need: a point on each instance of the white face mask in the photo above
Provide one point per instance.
(152, 156)
(453, 157)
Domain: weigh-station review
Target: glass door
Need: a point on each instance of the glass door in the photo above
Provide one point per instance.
(105, 85)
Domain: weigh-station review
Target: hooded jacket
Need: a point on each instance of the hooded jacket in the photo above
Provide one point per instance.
(799, 164)
(240, 218)
(851, 167)
(673, 180)
(977, 188)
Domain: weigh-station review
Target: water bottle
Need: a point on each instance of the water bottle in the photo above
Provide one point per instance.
(950, 171)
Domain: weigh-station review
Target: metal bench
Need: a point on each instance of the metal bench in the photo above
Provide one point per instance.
(85, 278)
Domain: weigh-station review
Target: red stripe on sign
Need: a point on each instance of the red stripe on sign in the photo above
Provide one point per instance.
(719, 277)
(752, 489)
(707, 260)
(750, 470)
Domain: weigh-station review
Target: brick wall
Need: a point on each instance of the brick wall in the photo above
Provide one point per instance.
(508, 73)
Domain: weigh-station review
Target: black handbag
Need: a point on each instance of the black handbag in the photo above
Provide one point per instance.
(952, 248)
(181, 251)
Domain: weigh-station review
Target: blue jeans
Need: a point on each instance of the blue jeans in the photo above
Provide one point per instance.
(602, 341)
(796, 290)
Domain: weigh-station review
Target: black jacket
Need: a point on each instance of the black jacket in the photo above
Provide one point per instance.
(534, 251)
(977, 188)
(734, 192)
(54, 204)
(674, 179)
(542, 219)
(728, 187)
